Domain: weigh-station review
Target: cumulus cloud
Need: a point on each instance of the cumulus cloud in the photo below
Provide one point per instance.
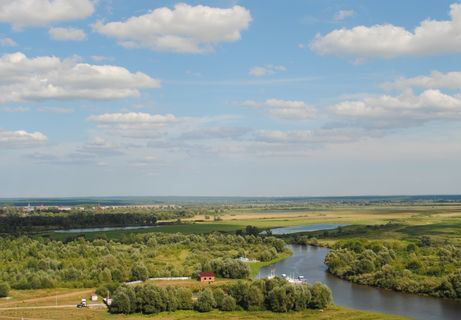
(7, 42)
(343, 14)
(437, 80)
(266, 70)
(186, 28)
(48, 77)
(21, 138)
(387, 40)
(24, 13)
(63, 34)
(285, 109)
(405, 110)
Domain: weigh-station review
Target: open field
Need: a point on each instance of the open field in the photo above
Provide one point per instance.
(333, 313)
(441, 219)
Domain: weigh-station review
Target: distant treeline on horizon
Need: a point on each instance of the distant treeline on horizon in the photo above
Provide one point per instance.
(121, 201)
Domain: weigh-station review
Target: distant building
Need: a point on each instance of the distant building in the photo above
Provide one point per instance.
(29, 208)
(94, 297)
(207, 276)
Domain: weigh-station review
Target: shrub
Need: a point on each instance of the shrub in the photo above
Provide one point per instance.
(205, 301)
(228, 304)
(4, 289)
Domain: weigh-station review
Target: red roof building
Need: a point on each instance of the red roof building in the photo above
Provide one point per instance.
(207, 276)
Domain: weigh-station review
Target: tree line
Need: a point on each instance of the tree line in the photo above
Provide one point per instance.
(276, 295)
(37, 222)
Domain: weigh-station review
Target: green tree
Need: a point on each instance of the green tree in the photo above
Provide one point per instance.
(321, 296)
(4, 289)
(205, 301)
(139, 272)
(228, 304)
(120, 303)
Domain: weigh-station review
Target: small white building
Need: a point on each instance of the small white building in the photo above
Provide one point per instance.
(94, 297)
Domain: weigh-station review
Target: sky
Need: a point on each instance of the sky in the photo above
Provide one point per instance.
(229, 98)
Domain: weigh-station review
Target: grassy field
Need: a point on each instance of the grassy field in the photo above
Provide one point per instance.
(333, 313)
(421, 219)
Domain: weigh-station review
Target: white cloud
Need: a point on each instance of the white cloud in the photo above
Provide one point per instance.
(20, 138)
(7, 42)
(55, 110)
(404, 110)
(343, 14)
(266, 70)
(387, 41)
(101, 58)
(23, 13)
(437, 80)
(186, 28)
(15, 109)
(285, 109)
(312, 138)
(64, 34)
(49, 77)
(132, 117)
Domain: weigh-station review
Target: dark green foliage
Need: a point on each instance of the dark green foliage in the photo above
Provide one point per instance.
(4, 289)
(184, 296)
(121, 302)
(205, 301)
(227, 268)
(139, 272)
(321, 296)
(102, 291)
(228, 304)
(426, 267)
(276, 295)
(219, 296)
(19, 223)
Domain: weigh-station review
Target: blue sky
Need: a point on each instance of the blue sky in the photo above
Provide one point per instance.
(219, 98)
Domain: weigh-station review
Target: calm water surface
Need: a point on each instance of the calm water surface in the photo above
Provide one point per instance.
(315, 227)
(308, 262)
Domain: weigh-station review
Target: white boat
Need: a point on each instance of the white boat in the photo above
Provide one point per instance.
(272, 274)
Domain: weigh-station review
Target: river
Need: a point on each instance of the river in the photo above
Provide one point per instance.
(308, 262)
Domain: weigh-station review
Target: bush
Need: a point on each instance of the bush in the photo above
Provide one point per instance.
(321, 296)
(102, 291)
(4, 289)
(205, 301)
(228, 304)
(139, 272)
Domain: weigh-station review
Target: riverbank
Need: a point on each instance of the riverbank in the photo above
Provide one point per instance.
(255, 267)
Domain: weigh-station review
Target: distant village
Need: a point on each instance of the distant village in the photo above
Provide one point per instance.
(63, 209)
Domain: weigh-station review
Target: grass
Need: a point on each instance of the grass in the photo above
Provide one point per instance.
(332, 313)
(255, 267)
